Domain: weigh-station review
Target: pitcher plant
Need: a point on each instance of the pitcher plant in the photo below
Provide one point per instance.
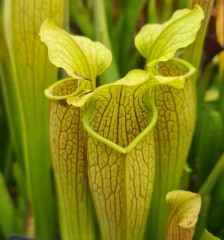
(136, 129)
(67, 135)
(176, 107)
(68, 148)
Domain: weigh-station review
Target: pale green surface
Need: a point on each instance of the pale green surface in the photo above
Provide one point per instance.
(114, 119)
(158, 77)
(32, 73)
(133, 78)
(172, 73)
(160, 42)
(130, 87)
(183, 215)
(114, 109)
(64, 50)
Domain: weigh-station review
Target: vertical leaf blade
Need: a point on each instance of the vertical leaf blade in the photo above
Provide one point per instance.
(32, 73)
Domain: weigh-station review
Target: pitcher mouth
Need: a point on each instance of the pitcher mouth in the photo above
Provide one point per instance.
(113, 145)
(61, 89)
(171, 68)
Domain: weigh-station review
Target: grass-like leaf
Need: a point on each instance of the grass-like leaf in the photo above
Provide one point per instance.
(32, 72)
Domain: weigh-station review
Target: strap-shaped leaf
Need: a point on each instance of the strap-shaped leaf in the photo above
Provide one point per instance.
(160, 42)
(184, 210)
(79, 56)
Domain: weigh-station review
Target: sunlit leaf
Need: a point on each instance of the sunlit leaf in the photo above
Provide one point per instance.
(183, 216)
(79, 56)
(160, 42)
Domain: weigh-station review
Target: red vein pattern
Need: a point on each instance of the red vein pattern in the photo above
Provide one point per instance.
(121, 184)
(172, 134)
(68, 147)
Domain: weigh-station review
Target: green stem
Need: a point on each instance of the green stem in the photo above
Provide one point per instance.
(213, 177)
(202, 219)
(152, 12)
(102, 35)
